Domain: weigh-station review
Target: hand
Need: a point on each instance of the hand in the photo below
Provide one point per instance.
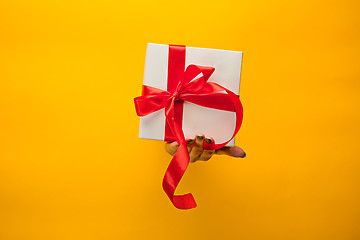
(197, 152)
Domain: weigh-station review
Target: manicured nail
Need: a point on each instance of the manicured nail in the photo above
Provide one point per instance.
(200, 138)
(191, 141)
(244, 155)
(207, 140)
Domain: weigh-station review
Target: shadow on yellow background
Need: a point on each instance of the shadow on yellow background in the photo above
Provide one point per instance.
(72, 165)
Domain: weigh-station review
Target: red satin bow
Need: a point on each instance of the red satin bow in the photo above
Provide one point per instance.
(192, 86)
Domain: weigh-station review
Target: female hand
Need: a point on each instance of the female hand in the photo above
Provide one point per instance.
(197, 152)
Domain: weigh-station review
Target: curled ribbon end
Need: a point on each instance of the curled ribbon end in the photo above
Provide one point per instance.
(184, 202)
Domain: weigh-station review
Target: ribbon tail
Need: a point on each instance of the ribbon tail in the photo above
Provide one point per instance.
(173, 175)
(177, 166)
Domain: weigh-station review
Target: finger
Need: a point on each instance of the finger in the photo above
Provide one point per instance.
(197, 148)
(207, 154)
(231, 151)
(189, 144)
(171, 148)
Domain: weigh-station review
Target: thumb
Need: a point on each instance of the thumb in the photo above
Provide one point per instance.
(231, 151)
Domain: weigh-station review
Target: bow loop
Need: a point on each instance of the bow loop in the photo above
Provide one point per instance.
(195, 78)
(152, 100)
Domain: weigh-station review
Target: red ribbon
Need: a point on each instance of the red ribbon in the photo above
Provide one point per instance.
(190, 85)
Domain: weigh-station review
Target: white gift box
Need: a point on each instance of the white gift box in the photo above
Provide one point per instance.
(218, 124)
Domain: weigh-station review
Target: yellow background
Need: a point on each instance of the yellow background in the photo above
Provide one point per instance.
(71, 163)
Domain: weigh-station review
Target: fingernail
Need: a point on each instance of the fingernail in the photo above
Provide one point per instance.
(244, 155)
(207, 140)
(200, 138)
(191, 141)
